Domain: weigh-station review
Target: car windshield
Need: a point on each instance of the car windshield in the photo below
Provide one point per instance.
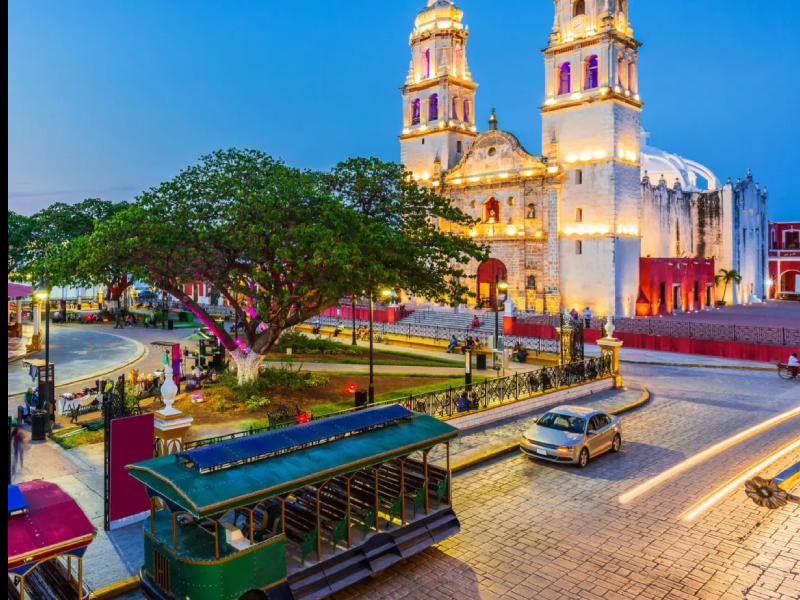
(563, 423)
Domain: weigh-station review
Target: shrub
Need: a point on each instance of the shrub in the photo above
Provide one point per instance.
(221, 406)
(302, 344)
(256, 403)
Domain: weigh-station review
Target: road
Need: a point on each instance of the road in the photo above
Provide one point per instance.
(538, 531)
(535, 531)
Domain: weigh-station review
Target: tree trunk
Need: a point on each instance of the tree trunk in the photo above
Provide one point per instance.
(247, 365)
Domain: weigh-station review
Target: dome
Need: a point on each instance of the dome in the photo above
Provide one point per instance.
(658, 163)
(441, 14)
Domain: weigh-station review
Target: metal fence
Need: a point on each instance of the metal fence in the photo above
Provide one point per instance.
(443, 334)
(771, 336)
(486, 394)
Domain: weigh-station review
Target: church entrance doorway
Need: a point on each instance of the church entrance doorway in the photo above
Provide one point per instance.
(489, 274)
(790, 282)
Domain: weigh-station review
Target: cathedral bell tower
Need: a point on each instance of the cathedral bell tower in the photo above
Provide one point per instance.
(439, 94)
(592, 107)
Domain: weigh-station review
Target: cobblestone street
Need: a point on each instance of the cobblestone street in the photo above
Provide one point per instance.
(534, 531)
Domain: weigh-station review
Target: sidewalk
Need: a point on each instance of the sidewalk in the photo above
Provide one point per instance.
(501, 437)
(653, 357)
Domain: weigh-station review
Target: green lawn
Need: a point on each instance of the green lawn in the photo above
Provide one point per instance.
(84, 438)
(403, 359)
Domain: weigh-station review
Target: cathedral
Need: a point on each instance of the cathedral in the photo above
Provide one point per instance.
(570, 226)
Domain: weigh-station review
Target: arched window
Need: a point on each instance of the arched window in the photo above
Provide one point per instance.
(426, 64)
(433, 107)
(621, 72)
(632, 76)
(531, 282)
(565, 79)
(592, 73)
(531, 214)
(415, 112)
(454, 114)
(491, 211)
(622, 6)
(579, 8)
(466, 114)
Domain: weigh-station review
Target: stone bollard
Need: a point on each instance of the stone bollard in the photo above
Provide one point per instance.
(610, 346)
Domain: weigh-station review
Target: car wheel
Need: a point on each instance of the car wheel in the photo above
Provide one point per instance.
(616, 445)
(583, 460)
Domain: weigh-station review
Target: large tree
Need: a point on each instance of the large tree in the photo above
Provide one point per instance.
(19, 231)
(282, 245)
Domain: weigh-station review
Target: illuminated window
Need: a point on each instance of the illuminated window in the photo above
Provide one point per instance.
(578, 247)
(632, 76)
(531, 283)
(455, 109)
(466, 112)
(592, 73)
(426, 64)
(580, 8)
(415, 112)
(512, 201)
(565, 79)
(579, 215)
(433, 107)
(492, 211)
(621, 72)
(531, 214)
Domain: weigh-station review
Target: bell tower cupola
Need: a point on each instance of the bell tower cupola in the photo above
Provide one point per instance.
(439, 93)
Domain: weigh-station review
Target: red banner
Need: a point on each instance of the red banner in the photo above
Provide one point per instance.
(132, 441)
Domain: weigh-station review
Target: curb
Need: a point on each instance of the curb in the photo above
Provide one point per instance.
(699, 366)
(115, 590)
(511, 448)
(144, 351)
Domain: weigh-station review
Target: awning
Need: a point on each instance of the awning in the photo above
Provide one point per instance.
(17, 290)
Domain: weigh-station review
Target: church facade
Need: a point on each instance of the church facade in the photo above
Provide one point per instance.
(568, 227)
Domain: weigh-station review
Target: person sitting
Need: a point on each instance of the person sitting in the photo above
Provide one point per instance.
(197, 374)
(317, 327)
(339, 329)
(476, 322)
(453, 344)
(463, 404)
(794, 365)
(574, 314)
(520, 353)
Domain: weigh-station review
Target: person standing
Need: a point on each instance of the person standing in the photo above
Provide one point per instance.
(587, 317)
(18, 448)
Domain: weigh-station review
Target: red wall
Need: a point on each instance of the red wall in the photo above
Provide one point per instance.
(382, 315)
(132, 441)
(732, 350)
(686, 272)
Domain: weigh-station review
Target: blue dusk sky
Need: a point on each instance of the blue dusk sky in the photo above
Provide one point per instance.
(106, 99)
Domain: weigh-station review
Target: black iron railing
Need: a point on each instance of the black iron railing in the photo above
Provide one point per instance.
(486, 394)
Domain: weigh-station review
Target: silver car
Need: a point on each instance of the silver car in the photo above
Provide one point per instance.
(573, 435)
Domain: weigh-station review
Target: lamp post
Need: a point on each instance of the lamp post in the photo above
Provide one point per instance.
(355, 341)
(500, 285)
(43, 294)
(165, 313)
(385, 294)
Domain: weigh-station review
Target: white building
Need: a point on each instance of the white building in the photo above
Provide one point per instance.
(568, 227)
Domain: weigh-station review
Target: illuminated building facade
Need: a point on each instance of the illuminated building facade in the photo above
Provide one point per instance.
(568, 228)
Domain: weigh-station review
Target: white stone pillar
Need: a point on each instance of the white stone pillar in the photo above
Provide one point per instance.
(37, 318)
(19, 312)
(171, 425)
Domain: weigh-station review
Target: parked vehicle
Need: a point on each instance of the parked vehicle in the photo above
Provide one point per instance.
(573, 435)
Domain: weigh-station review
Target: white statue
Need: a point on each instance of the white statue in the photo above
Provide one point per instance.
(168, 392)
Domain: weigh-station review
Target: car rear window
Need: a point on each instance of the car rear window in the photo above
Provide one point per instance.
(563, 423)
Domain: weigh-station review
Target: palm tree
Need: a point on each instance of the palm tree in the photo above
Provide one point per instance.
(728, 277)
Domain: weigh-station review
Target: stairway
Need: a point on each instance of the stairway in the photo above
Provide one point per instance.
(378, 553)
(451, 319)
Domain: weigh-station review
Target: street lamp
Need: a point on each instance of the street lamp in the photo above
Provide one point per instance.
(355, 341)
(165, 313)
(385, 294)
(501, 285)
(43, 294)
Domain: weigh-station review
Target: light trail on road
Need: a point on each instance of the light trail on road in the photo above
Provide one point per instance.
(738, 482)
(705, 455)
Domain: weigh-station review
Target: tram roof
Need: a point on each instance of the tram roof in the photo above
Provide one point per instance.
(206, 493)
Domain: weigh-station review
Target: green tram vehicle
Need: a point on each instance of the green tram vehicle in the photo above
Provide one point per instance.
(297, 513)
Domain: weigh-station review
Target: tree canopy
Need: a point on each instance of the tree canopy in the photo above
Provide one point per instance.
(19, 231)
(282, 245)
